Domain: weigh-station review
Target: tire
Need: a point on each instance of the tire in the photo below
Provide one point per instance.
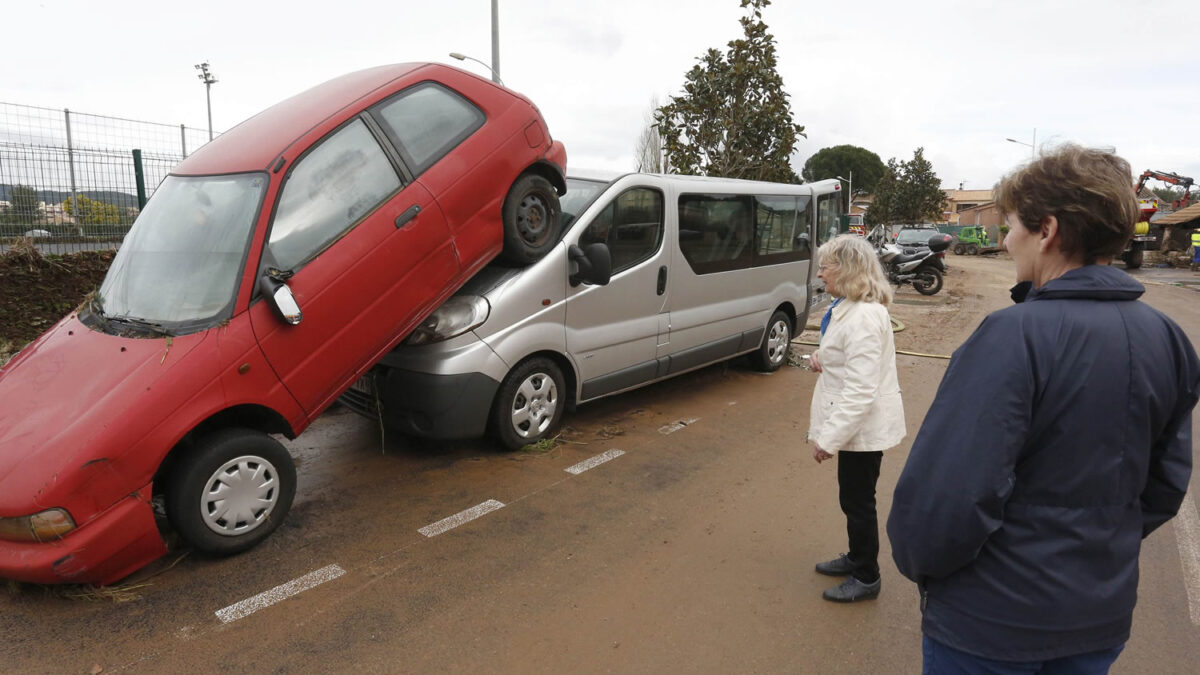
(249, 465)
(928, 281)
(972, 249)
(958, 249)
(773, 351)
(529, 405)
(532, 219)
(1133, 259)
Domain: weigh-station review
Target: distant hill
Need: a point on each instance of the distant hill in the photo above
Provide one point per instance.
(58, 197)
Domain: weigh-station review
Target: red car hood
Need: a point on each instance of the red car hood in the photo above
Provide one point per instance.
(72, 400)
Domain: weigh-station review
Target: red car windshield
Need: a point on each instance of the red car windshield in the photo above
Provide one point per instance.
(178, 268)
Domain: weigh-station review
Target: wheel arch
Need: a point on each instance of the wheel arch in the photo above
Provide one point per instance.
(549, 172)
(246, 416)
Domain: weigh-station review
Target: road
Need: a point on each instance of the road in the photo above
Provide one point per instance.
(691, 551)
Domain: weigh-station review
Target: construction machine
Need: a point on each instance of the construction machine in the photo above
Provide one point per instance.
(1149, 206)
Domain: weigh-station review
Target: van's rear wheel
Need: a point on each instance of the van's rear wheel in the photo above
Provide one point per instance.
(529, 405)
(773, 351)
(532, 218)
(232, 492)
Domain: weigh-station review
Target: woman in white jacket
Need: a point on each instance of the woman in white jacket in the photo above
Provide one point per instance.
(856, 408)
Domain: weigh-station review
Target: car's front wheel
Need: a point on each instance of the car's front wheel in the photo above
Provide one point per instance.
(532, 218)
(529, 405)
(773, 351)
(231, 492)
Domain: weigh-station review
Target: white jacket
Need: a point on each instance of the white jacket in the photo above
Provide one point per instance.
(856, 405)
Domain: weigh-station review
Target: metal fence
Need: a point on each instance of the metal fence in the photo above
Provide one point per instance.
(71, 180)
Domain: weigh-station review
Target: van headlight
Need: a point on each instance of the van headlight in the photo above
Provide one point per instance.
(458, 315)
(45, 526)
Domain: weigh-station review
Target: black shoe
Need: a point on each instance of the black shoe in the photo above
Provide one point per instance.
(838, 567)
(853, 590)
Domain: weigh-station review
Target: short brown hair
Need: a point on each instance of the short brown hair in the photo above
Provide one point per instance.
(1089, 192)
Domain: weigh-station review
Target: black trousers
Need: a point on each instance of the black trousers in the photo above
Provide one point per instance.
(858, 472)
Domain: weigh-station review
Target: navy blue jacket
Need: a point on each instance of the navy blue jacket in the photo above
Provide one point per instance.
(1059, 438)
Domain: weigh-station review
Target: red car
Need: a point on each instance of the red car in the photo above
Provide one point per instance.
(269, 271)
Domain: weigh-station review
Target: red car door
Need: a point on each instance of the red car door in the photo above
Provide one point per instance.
(369, 255)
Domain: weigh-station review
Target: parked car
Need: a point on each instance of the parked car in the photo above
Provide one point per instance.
(915, 236)
(268, 272)
(658, 275)
(37, 233)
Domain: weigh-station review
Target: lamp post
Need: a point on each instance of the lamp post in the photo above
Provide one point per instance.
(1032, 146)
(209, 80)
(460, 57)
(849, 190)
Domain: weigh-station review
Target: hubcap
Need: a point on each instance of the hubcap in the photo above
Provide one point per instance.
(533, 220)
(534, 405)
(240, 495)
(778, 340)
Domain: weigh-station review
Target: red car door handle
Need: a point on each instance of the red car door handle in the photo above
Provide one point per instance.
(409, 214)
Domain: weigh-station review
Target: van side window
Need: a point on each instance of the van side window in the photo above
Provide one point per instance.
(631, 225)
(779, 222)
(329, 190)
(716, 232)
(426, 122)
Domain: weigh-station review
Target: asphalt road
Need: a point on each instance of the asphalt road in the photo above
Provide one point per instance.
(690, 551)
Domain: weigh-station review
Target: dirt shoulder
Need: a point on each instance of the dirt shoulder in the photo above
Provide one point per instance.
(36, 291)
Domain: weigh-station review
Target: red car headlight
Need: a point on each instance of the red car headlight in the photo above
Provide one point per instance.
(45, 526)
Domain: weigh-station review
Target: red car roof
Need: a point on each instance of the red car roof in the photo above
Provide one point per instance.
(254, 144)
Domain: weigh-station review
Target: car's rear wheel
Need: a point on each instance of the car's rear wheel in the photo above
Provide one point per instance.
(231, 492)
(529, 405)
(928, 280)
(773, 351)
(532, 218)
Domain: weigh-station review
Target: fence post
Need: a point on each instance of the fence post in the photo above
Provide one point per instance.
(71, 163)
(183, 141)
(140, 177)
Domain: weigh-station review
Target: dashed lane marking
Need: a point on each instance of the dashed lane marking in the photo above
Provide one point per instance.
(1187, 535)
(457, 519)
(593, 462)
(265, 599)
(676, 426)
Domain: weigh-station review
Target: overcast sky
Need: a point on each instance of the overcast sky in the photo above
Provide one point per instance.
(955, 77)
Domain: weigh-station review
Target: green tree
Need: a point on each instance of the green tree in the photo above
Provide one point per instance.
(24, 204)
(92, 211)
(733, 118)
(848, 161)
(908, 192)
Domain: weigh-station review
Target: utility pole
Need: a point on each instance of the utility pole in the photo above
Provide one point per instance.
(209, 80)
(496, 41)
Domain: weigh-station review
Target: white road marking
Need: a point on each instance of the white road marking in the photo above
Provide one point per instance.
(265, 599)
(459, 518)
(594, 462)
(1187, 535)
(676, 426)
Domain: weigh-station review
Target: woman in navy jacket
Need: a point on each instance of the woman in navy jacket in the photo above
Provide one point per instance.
(1021, 521)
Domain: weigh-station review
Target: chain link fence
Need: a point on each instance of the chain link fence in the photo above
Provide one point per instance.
(71, 181)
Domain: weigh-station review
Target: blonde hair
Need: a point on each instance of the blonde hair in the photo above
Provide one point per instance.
(860, 276)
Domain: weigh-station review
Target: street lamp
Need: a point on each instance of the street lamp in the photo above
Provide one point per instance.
(495, 75)
(1032, 146)
(849, 189)
(209, 80)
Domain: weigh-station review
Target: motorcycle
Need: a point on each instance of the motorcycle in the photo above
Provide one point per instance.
(921, 266)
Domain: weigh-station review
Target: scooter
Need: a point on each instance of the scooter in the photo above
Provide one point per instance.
(923, 267)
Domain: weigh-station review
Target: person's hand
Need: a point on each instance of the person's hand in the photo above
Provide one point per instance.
(819, 454)
(815, 361)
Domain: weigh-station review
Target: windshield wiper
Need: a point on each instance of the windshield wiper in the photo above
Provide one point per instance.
(135, 322)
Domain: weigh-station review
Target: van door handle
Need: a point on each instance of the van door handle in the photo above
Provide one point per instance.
(662, 280)
(406, 217)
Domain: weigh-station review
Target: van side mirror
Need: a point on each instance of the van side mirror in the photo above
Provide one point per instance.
(592, 265)
(281, 299)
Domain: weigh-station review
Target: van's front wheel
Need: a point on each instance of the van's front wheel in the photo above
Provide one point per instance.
(232, 492)
(773, 351)
(529, 405)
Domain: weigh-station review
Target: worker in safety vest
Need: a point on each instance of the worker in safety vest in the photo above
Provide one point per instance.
(1195, 248)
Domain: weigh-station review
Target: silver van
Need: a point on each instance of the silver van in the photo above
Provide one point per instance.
(654, 275)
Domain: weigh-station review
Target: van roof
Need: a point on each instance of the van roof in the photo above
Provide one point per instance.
(254, 144)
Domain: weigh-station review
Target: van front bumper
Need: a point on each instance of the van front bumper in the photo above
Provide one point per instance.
(104, 550)
(437, 406)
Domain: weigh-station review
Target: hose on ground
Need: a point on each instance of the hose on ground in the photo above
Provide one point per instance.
(897, 326)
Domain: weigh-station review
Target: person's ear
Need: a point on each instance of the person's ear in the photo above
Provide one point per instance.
(1049, 233)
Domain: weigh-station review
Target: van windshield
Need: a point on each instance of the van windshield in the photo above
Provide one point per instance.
(580, 193)
(178, 269)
